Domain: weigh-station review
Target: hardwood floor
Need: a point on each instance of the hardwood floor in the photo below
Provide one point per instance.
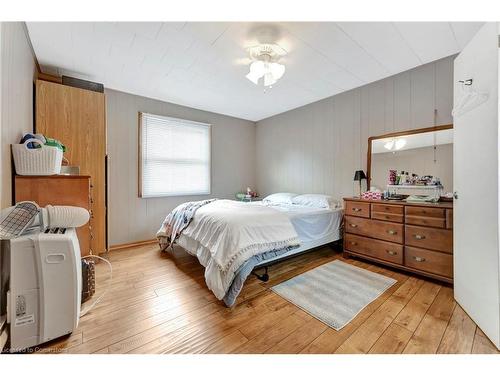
(158, 303)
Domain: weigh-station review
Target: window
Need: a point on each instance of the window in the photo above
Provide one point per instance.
(174, 156)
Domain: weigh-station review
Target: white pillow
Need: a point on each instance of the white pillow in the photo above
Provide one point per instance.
(316, 200)
(280, 198)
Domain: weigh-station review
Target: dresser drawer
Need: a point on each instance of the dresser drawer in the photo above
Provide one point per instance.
(374, 228)
(357, 209)
(387, 208)
(426, 221)
(429, 261)
(429, 238)
(449, 219)
(425, 211)
(387, 251)
(387, 216)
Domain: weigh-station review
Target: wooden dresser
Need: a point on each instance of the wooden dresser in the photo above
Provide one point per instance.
(59, 190)
(410, 236)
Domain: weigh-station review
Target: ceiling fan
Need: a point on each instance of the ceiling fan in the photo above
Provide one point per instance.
(265, 68)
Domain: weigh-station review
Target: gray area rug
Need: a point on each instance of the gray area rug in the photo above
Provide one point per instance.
(335, 292)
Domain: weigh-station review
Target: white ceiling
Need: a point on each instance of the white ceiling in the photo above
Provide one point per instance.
(203, 65)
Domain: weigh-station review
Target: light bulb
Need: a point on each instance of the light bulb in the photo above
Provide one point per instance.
(269, 79)
(257, 70)
(277, 70)
(252, 76)
(258, 67)
(389, 145)
(400, 143)
(270, 71)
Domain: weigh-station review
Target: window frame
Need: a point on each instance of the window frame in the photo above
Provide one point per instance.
(140, 158)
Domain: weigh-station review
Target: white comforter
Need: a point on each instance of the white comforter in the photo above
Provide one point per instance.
(231, 232)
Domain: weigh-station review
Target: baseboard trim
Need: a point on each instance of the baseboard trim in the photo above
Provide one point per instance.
(132, 244)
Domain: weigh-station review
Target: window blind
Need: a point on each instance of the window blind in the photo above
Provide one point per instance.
(175, 156)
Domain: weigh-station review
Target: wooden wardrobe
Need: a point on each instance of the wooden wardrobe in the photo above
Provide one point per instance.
(77, 118)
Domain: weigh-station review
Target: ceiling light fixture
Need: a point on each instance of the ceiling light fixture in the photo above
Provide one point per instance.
(389, 145)
(397, 144)
(265, 67)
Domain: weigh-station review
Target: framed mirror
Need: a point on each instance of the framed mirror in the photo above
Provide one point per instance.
(415, 162)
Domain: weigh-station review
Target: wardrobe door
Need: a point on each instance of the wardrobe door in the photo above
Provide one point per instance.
(475, 179)
(77, 118)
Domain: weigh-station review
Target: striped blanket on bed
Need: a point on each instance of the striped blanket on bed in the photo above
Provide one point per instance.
(176, 221)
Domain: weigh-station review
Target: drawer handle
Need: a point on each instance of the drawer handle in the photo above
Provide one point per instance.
(355, 209)
(387, 208)
(354, 225)
(393, 232)
(419, 259)
(390, 252)
(387, 217)
(353, 243)
(419, 237)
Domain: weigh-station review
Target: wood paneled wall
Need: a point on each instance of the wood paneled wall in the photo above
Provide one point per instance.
(17, 69)
(133, 219)
(316, 148)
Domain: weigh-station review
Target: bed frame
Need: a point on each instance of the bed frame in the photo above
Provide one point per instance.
(265, 276)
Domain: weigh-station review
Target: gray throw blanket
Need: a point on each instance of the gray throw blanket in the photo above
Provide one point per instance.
(176, 221)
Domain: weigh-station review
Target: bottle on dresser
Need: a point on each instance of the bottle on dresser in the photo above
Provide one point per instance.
(400, 178)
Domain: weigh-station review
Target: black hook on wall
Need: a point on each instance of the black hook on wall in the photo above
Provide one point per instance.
(466, 82)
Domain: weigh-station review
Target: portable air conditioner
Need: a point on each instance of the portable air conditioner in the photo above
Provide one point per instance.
(44, 296)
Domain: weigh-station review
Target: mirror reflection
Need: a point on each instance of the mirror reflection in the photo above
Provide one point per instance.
(415, 164)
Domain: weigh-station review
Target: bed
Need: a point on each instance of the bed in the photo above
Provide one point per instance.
(313, 226)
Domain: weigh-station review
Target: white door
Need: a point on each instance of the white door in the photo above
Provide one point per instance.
(476, 182)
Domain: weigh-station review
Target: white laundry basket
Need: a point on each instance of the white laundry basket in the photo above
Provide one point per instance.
(42, 161)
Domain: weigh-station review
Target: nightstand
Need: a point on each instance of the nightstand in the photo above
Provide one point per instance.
(256, 199)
